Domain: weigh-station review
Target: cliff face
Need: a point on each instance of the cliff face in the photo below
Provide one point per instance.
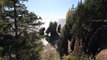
(102, 55)
(49, 52)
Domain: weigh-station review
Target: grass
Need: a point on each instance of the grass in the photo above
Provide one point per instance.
(73, 56)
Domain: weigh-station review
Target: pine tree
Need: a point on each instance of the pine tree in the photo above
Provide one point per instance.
(16, 30)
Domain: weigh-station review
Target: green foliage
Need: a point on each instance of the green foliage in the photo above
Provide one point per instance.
(52, 28)
(69, 18)
(52, 33)
(70, 57)
(59, 28)
(2, 24)
(80, 20)
(73, 56)
(1, 3)
(41, 31)
(1, 50)
(26, 45)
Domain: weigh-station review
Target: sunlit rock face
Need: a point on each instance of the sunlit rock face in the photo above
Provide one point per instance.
(49, 52)
(44, 42)
(102, 55)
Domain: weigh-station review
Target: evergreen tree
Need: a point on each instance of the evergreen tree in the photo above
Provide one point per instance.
(16, 34)
(59, 28)
(41, 31)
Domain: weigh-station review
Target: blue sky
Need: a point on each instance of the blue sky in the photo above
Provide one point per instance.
(51, 9)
